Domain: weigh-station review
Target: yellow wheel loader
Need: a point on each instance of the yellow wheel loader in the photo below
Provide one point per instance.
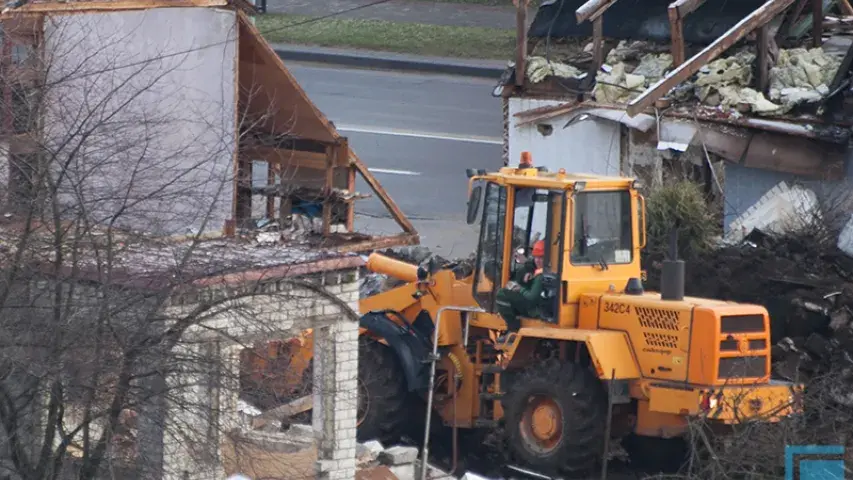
(601, 357)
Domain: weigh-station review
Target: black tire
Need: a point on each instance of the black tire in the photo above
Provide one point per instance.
(577, 397)
(382, 383)
(656, 455)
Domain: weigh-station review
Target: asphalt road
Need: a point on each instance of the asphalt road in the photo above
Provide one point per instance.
(417, 133)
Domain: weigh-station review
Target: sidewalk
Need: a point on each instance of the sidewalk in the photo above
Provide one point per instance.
(407, 11)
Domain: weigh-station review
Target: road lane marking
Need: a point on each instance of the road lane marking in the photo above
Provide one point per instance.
(434, 136)
(391, 171)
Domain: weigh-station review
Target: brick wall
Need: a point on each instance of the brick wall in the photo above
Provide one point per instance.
(281, 312)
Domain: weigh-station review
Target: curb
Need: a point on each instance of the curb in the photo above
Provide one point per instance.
(390, 61)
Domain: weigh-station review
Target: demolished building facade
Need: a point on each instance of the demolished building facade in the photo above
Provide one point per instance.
(132, 135)
(738, 96)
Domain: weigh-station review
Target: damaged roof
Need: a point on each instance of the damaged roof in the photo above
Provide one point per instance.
(556, 19)
(145, 262)
(726, 71)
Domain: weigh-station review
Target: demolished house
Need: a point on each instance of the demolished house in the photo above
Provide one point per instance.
(739, 96)
(131, 138)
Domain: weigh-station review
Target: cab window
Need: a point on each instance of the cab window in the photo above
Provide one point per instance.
(602, 228)
(530, 220)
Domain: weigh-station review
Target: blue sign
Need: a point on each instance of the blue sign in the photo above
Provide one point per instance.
(814, 462)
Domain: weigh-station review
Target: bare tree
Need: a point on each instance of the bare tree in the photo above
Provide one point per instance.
(119, 140)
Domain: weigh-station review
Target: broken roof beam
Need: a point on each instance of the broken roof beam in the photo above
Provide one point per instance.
(756, 19)
(817, 23)
(677, 11)
(592, 9)
(380, 192)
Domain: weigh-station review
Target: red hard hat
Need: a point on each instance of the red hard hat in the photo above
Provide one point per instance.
(539, 248)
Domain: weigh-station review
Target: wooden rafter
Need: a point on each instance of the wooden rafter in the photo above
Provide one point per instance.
(386, 200)
(677, 11)
(817, 23)
(756, 19)
(592, 10)
(330, 134)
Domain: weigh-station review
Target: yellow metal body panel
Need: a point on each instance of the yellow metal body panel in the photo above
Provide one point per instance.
(684, 340)
(734, 404)
(610, 351)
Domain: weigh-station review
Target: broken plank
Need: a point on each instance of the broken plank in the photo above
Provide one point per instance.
(677, 11)
(817, 23)
(592, 9)
(295, 407)
(351, 205)
(520, 43)
(684, 7)
(676, 29)
(597, 45)
(392, 207)
(763, 40)
(331, 155)
(759, 17)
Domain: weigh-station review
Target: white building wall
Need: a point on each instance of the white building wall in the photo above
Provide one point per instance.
(588, 146)
(145, 99)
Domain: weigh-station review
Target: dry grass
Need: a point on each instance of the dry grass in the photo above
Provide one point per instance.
(412, 38)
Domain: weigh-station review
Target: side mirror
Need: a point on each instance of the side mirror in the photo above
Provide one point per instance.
(474, 204)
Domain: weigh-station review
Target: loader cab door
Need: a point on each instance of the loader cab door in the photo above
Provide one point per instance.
(514, 218)
(604, 250)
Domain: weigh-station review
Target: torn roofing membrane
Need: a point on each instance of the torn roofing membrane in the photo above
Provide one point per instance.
(646, 19)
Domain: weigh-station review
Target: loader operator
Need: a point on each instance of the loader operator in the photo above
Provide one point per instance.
(521, 295)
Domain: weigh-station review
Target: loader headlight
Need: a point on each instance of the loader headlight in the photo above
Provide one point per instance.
(422, 273)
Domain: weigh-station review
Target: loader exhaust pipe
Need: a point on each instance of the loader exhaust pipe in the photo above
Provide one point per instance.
(400, 270)
(672, 274)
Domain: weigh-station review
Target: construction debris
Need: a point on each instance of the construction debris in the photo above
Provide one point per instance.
(807, 287)
(801, 76)
(539, 68)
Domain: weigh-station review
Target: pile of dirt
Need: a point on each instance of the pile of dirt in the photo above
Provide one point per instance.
(806, 286)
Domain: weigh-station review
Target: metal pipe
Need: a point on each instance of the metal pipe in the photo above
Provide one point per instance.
(433, 359)
(609, 425)
(456, 376)
(529, 473)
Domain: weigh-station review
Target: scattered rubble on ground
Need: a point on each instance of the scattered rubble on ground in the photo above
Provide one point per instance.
(808, 290)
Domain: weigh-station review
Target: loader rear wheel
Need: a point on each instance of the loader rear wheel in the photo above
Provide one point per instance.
(555, 418)
(382, 392)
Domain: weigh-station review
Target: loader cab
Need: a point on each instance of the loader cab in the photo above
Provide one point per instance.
(591, 227)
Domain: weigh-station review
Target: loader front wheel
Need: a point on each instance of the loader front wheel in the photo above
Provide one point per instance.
(382, 392)
(555, 418)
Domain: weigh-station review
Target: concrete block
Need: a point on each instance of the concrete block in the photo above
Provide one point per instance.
(404, 472)
(398, 455)
(374, 446)
(301, 430)
(472, 476)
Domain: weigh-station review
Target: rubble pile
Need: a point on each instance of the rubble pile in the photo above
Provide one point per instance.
(807, 287)
(798, 76)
